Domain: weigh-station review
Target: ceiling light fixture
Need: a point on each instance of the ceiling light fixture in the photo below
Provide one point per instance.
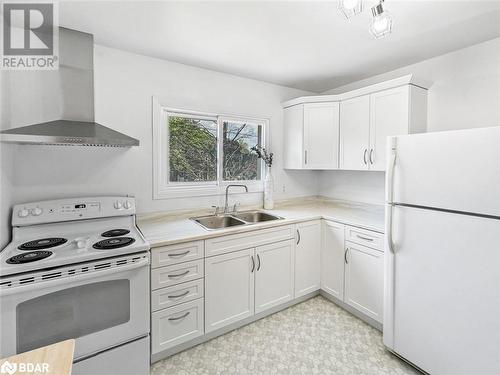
(381, 23)
(350, 8)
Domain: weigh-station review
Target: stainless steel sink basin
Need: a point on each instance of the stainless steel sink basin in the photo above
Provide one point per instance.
(218, 222)
(255, 216)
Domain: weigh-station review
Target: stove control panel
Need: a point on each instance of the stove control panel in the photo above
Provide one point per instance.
(72, 209)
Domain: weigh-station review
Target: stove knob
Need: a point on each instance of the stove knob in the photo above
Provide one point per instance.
(118, 205)
(36, 211)
(127, 205)
(23, 213)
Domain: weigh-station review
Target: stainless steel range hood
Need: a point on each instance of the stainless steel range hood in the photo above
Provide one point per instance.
(74, 81)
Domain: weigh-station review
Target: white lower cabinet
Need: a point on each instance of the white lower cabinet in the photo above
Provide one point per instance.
(175, 325)
(364, 280)
(332, 259)
(247, 282)
(307, 257)
(242, 275)
(229, 288)
(274, 275)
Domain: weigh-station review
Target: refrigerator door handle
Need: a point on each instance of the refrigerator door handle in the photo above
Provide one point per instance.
(391, 165)
(390, 243)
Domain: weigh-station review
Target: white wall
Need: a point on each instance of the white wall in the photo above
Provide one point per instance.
(465, 93)
(124, 84)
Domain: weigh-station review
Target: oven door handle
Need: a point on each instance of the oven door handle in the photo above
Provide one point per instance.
(73, 279)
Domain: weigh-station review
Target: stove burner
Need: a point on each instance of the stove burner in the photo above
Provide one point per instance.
(115, 233)
(113, 243)
(43, 243)
(29, 257)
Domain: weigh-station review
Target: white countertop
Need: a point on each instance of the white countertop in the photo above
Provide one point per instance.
(162, 229)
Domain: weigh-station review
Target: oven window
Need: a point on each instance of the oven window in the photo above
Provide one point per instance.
(72, 313)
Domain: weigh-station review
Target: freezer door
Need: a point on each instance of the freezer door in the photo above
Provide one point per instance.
(443, 292)
(455, 170)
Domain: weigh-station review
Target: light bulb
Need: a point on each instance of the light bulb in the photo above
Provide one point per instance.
(381, 23)
(350, 8)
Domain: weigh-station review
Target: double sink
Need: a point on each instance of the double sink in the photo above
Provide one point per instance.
(235, 219)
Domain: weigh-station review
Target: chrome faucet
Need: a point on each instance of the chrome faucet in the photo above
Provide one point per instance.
(227, 192)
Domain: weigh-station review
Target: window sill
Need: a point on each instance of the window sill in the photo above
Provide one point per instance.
(187, 191)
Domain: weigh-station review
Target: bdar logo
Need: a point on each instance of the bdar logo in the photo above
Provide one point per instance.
(8, 368)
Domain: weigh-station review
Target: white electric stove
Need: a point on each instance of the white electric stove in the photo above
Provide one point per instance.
(79, 268)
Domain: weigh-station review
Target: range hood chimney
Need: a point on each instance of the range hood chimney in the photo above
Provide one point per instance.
(75, 82)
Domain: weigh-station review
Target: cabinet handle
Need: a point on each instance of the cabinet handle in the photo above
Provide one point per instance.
(179, 275)
(345, 255)
(258, 260)
(298, 236)
(179, 295)
(305, 156)
(180, 317)
(364, 156)
(364, 238)
(371, 156)
(179, 254)
(253, 264)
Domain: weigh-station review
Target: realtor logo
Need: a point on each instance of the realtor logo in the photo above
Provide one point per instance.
(8, 368)
(30, 36)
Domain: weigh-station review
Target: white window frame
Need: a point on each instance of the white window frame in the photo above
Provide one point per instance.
(165, 189)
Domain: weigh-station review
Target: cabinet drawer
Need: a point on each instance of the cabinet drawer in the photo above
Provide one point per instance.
(178, 253)
(176, 274)
(365, 237)
(233, 242)
(174, 295)
(175, 325)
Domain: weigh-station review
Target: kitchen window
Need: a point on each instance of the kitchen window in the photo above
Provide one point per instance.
(199, 154)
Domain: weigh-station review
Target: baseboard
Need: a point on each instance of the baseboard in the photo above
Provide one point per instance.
(231, 327)
(353, 311)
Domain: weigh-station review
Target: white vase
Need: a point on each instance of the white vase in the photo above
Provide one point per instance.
(268, 190)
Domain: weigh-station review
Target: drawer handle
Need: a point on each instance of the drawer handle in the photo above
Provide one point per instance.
(345, 255)
(179, 295)
(258, 259)
(298, 236)
(180, 317)
(253, 264)
(179, 254)
(179, 275)
(364, 238)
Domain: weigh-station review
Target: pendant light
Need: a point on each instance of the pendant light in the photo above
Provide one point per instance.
(381, 23)
(350, 8)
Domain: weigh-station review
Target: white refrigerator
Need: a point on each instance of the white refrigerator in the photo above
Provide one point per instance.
(442, 255)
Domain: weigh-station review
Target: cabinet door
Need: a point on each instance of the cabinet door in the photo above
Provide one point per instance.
(354, 133)
(307, 257)
(293, 133)
(364, 280)
(332, 259)
(274, 275)
(229, 288)
(389, 116)
(321, 135)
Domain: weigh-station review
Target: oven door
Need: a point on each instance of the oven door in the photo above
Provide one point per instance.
(101, 304)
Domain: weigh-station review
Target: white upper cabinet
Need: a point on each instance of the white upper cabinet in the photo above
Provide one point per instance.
(293, 137)
(311, 136)
(321, 135)
(354, 133)
(389, 116)
(349, 131)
